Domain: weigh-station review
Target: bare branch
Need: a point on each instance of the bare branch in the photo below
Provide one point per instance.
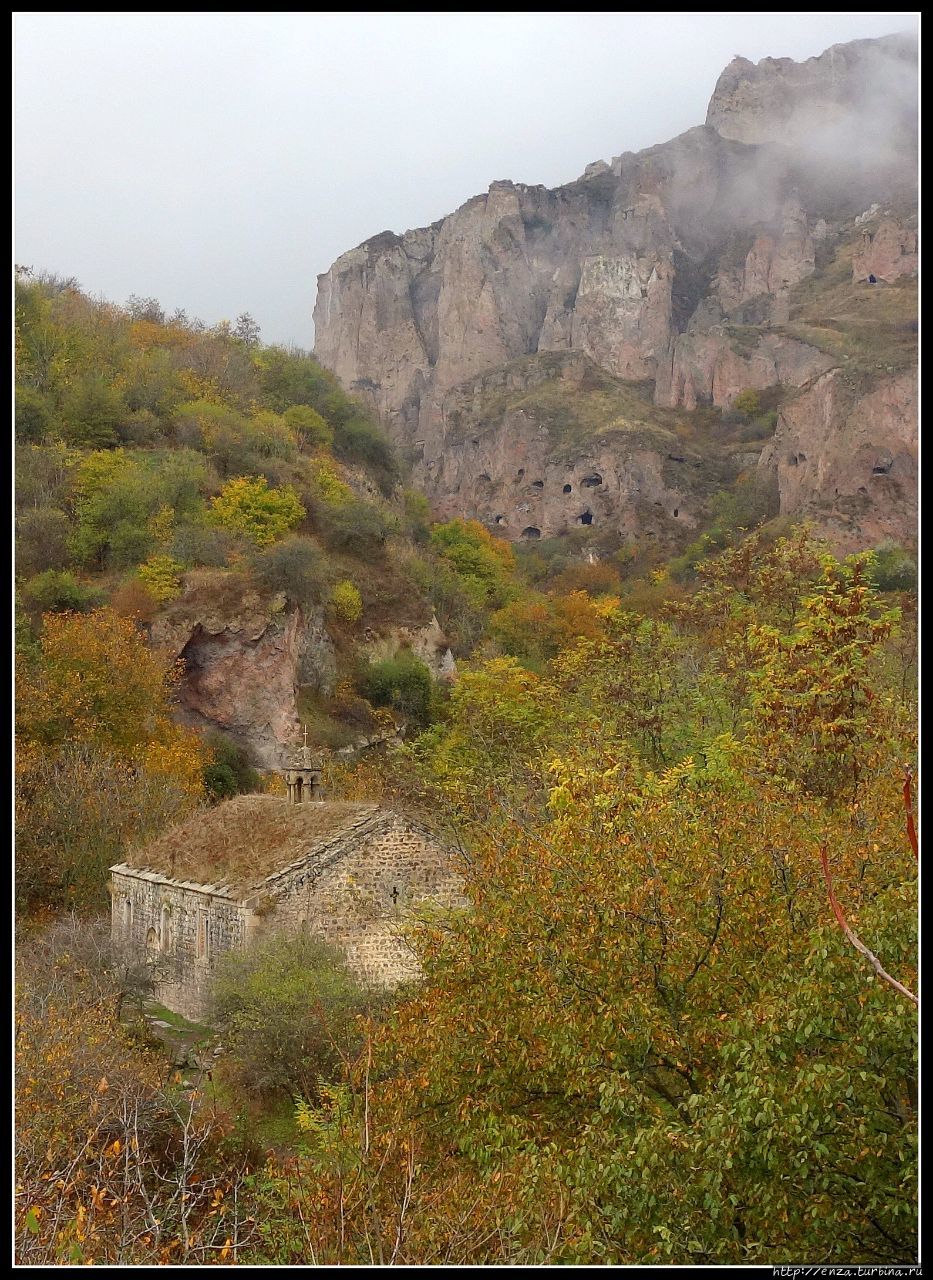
(854, 939)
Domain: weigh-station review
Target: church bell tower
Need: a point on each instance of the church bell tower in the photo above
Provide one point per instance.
(303, 775)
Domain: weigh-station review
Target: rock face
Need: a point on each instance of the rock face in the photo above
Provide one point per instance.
(645, 266)
(596, 267)
(887, 252)
(428, 643)
(779, 100)
(519, 458)
(244, 658)
(850, 459)
(707, 365)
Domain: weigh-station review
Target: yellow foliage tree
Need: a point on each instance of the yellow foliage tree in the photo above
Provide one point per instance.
(248, 505)
(162, 576)
(100, 761)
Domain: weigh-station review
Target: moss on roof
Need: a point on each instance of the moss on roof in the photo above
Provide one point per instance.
(242, 841)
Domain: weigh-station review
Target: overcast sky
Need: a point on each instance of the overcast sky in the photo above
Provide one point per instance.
(219, 162)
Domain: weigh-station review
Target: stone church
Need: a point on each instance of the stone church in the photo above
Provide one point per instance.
(349, 873)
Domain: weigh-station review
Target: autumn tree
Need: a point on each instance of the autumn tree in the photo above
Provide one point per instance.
(114, 1164)
(246, 330)
(247, 505)
(99, 761)
(649, 1025)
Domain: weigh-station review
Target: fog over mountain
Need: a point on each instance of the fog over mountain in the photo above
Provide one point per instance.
(221, 162)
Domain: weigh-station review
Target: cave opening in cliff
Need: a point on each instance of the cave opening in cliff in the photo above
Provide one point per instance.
(500, 519)
(676, 511)
(592, 480)
(531, 532)
(568, 488)
(537, 484)
(585, 517)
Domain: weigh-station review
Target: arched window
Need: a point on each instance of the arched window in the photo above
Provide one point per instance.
(152, 942)
(128, 914)
(203, 938)
(165, 934)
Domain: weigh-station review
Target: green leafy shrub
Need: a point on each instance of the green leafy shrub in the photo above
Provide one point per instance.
(328, 485)
(219, 782)
(197, 544)
(752, 500)
(296, 566)
(357, 528)
(360, 440)
(403, 683)
(271, 435)
(161, 575)
(760, 428)
(417, 515)
(459, 611)
(893, 568)
(41, 540)
(119, 491)
(33, 415)
(57, 591)
(140, 428)
(311, 431)
(748, 402)
(44, 475)
(129, 545)
(236, 444)
(92, 412)
(484, 564)
(289, 378)
(288, 1009)
(230, 767)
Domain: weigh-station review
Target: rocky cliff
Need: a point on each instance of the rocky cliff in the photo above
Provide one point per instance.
(683, 268)
(246, 656)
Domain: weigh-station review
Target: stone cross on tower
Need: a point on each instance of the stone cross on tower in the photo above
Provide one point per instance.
(303, 774)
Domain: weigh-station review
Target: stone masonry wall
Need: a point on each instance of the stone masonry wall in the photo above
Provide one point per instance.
(192, 926)
(363, 901)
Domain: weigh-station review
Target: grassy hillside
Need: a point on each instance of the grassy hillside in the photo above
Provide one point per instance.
(577, 402)
(870, 329)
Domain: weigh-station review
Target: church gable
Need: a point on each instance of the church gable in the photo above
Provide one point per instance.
(362, 896)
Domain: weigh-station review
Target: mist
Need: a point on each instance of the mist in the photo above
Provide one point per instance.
(221, 162)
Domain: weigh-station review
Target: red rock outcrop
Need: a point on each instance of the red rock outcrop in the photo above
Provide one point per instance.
(708, 368)
(782, 101)
(244, 657)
